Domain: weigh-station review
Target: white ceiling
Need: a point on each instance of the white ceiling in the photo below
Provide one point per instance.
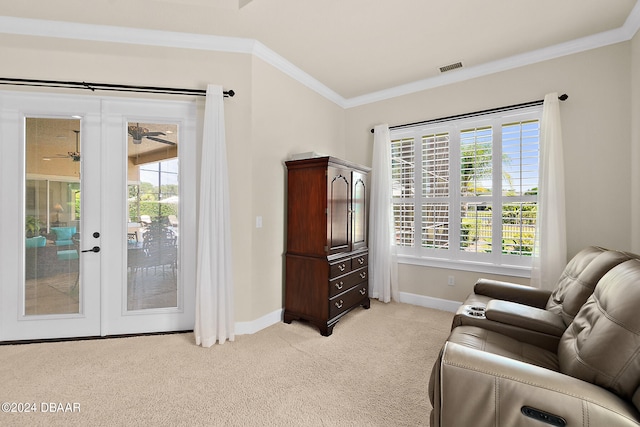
(360, 47)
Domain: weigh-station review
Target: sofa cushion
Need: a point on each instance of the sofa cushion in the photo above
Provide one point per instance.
(570, 276)
(602, 345)
(67, 255)
(64, 235)
(580, 278)
(502, 345)
(36, 242)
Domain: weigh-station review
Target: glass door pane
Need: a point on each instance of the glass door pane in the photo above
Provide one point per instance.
(52, 216)
(153, 220)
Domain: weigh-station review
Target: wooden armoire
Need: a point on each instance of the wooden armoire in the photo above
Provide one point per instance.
(327, 256)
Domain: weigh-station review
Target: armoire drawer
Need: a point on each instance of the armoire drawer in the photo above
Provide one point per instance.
(343, 283)
(345, 301)
(340, 267)
(359, 261)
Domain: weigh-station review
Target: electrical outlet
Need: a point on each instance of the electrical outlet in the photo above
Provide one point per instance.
(451, 281)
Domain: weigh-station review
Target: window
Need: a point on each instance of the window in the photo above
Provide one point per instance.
(465, 191)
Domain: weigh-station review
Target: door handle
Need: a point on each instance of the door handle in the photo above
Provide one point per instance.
(93, 249)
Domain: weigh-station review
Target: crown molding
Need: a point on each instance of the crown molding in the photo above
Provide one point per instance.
(269, 56)
(516, 61)
(126, 35)
(632, 24)
(622, 34)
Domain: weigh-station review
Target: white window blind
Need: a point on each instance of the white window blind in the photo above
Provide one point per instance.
(403, 176)
(465, 191)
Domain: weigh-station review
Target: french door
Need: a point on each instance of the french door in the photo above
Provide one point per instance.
(149, 207)
(99, 218)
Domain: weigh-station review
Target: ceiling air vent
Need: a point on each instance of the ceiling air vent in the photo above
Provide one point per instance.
(451, 67)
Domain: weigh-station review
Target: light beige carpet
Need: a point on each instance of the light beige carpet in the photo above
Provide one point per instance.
(373, 371)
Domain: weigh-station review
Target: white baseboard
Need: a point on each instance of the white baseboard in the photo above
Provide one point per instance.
(247, 328)
(430, 302)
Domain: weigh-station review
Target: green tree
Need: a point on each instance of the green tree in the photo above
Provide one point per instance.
(475, 166)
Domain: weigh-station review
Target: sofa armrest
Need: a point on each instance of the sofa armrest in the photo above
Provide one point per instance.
(512, 292)
(524, 316)
(474, 387)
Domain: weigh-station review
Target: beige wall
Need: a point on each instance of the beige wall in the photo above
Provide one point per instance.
(287, 118)
(635, 143)
(596, 124)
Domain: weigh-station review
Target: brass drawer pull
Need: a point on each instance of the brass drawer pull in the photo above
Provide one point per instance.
(339, 304)
(341, 267)
(363, 291)
(339, 285)
(361, 261)
(363, 275)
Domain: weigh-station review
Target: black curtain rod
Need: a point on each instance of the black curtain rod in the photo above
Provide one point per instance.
(562, 97)
(110, 87)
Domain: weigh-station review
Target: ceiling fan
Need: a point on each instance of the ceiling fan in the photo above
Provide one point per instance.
(137, 133)
(73, 155)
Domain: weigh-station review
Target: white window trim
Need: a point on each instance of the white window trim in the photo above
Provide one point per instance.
(466, 265)
(495, 262)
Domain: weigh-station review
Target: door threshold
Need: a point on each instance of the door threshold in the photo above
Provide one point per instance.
(88, 338)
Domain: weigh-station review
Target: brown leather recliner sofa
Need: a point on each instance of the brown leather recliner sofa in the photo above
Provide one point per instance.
(591, 378)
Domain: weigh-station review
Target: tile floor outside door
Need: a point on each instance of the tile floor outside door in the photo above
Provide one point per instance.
(58, 294)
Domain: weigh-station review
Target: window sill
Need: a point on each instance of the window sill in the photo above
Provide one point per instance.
(478, 267)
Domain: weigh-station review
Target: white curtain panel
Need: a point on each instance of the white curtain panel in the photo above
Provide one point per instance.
(214, 281)
(383, 264)
(550, 248)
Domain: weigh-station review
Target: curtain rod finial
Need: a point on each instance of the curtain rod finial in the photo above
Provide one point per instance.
(563, 97)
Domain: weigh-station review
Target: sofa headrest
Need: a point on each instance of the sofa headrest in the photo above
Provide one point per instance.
(580, 278)
(602, 344)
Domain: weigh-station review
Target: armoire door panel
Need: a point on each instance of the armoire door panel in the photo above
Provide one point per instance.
(359, 211)
(338, 215)
(307, 210)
